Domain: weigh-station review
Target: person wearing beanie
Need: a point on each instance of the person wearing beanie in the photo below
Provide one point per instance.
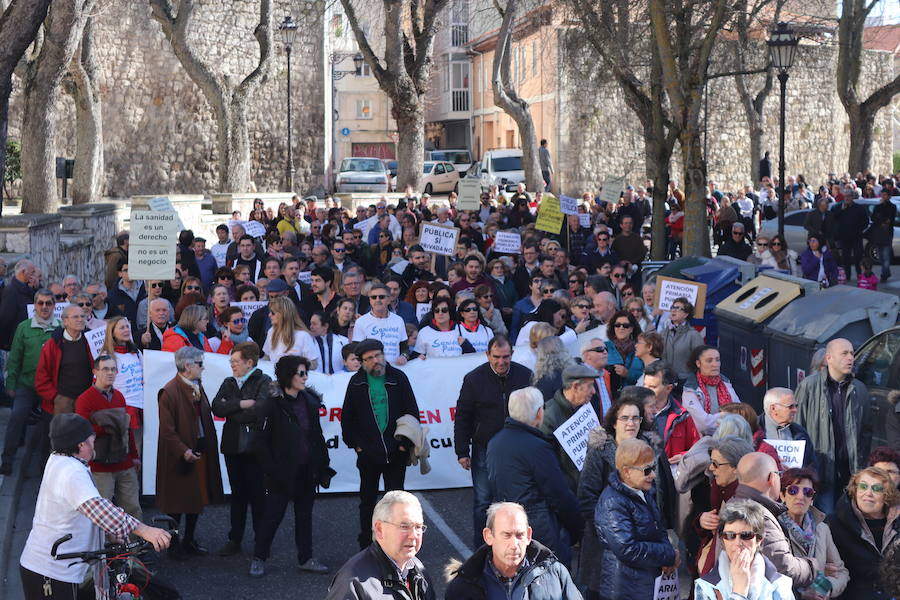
(68, 503)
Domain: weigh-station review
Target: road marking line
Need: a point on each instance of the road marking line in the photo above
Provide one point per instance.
(439, 522)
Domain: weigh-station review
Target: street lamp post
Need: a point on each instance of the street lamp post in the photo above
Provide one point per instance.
(782, 49)
(288, 29)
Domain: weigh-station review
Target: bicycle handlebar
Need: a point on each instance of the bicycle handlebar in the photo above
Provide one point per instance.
(111, 550)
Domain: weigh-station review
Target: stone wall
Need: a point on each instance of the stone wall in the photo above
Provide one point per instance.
(159, 130)
(601, 137)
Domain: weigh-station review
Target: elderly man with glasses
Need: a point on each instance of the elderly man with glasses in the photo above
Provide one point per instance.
(737, 246)
(65, 366)
(778, 418)
(382, 325)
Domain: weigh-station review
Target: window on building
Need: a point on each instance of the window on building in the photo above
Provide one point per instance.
(337, 25)
(365, 70)
(534, 59)
(363, 108)
(523, 72)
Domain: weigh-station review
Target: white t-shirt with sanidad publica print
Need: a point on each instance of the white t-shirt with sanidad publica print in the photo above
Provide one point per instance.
(390, 331)
(434, 343)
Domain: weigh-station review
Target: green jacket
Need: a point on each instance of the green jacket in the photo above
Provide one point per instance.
(24, 353)
(558, 410)
(814, 413)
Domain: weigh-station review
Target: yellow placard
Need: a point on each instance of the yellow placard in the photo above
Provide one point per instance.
(549, 217)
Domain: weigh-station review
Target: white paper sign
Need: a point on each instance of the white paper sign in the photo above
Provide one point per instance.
(305, 277)
(255, 229)
(612, 189)
(438, 238)
(163, 204)
(666, 587)
(469, 194)
(573, 434)
(584, 219)
(422, 309)
(95, 338)
(508, 241)
(568, 205)
(366, 225)
(151, 247)
(57, 310)
(790, 452)
(130, 379)
(248, 308)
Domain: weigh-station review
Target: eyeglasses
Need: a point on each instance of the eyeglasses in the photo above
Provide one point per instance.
(238, 321)
(547, 290)
(469, 309)
(787, 406)
(876, 488)
(408, 527)
(226, 277)
(793, 490)
(44, 303)
(598, 349)
(627, 419)
(192, 288)
(59, 296)
(83, 304)
(302, 373)
(377, 296)
(622, 325)
(339, 250)
(583, 306)
(442, 309)
(618, 275)
(744, 535)
(156, 285)
(718, 465)
(108, 370)
(645, 470)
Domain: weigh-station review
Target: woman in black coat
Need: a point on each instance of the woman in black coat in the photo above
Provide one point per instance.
(294, 459)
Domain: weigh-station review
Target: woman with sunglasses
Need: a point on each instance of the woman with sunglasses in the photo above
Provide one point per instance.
(471, 326)
(622, 332)
(225, 276)
(232, 329)
(631, 527)
(781, 257)
(490, 313)
(582, 320)
(741, 570)
(807, 531)
(866, 525)
(554, 314)
(680, 338)
(441, 337)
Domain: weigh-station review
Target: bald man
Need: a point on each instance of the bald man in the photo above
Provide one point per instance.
(836, 411)
(759, 481)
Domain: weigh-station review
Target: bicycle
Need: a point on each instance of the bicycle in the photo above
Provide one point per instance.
(119, 559)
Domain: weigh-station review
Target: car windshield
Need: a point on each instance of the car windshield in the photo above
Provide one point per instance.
(458, 158)
(427, 168)
(507, 163)
(368, 165)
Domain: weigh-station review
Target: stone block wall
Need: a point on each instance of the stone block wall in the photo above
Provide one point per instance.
(159, 130)
(600, 136)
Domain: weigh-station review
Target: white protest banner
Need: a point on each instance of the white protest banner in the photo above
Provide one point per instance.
(57, 310)
(255, 229)
(666, 587)
(163, 204)
(248, 308)
(366, 225)
(305, 277)
(790, 452)
(568, 205)
(95, 338)
(438, 238)
(469, 194)
(612, 189)
(669, 289)
(422, 309)
(508, 241)
(151, 247)
(584, 220)
(573, 433)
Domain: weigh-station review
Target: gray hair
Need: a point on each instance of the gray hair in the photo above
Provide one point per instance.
(733, 425)
(744, 510)
(186, 356)
(732, 448)
(525, 403)
(101, 287)
(385, 507)
(43, 292)
(80, 295)
(775, 395)
(590, 343)
(498, 507)
(22, 265)
(70, 276)
(69, 309)
(552, 358)
(817, 362)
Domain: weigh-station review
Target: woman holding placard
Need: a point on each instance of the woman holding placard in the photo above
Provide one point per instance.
(680, 338)
(130, 376)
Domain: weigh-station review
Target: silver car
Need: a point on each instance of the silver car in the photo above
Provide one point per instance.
(362, 175)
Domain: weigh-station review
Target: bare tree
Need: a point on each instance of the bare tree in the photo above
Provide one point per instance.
(861, 110)
(618, 34)
(83, 85)
(229, 101)
(506, 97)
(42, 76)
(19, 25)
(403, 73)
(685, 33)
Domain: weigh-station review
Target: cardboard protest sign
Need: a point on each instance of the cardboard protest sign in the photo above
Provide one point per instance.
(248, 308)
(469, 194)
(790, 452)
(255, 229)
(550, 217)
(438, 238)
(568, 205)
(584, 220)
(573, 433)
(151, 247)
(509, 242)
(612, 189)
(95, 338)
(668, 289)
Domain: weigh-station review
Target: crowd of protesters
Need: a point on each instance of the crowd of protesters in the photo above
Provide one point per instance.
(678, 476)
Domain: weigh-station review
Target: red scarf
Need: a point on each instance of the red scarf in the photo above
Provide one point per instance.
(722, 394)
(450, 325)
(473, 327)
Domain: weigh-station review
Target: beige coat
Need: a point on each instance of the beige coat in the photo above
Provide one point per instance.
(825, 552)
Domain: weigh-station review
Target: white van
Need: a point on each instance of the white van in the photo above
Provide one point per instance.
(502, 168)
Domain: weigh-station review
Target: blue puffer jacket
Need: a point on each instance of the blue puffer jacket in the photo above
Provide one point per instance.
(634, 541)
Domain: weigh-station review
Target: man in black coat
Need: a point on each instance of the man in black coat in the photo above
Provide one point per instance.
(883, 218)
(377, 395)
(16, 298)
(736, 247)
(850, 221)
(151, 339)
(480, 412)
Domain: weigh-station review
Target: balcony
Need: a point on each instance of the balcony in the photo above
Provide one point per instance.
(455, 101)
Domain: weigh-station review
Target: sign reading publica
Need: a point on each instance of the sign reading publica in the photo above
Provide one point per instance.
(438, 238)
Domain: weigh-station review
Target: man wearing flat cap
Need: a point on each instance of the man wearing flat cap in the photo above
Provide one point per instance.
(69, 503)
(377, 395)
(577, 388)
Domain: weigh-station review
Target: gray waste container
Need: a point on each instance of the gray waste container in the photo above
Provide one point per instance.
(741, 318)
(808, 323)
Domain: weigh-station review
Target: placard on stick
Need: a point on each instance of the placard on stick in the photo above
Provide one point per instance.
(508, 242)
(469, 194)
(438, 239)
(550, 217)
(568, 205)
(668, 289)
(612, 189)
(151, 248)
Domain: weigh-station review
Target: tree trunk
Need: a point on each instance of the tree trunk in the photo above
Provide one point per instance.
(657, 157)
(63, 27)
(410, 118)
(696, 234)
(862, 126)
(87, 183)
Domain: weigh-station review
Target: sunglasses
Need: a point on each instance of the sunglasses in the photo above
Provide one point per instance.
(793, 490)
(339, 250)
(226, 277)
(302, 373)
(618, 275)
(44, 303)
(877, 488)
(378, 297)
(442, 309)
(598, 349)
(602, 238)
(239, 321)
(469, 309)
(623, 325)
(645, 470)
(487, 296)
(192, 288)
(59, 296)
(583, 306)
(744, 535)
(762, 244)
(83, 304)
(155, 285)
(677, 307)
(548, 290)
(775, 243)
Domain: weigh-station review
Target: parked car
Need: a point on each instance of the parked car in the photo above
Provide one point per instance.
(502, 168)
(877, 365)
(461, 159)
(440, 176)
(361, 174)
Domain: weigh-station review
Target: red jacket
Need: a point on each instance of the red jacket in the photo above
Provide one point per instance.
(679, 433)
(175, 338)
(89, 402)
(46, 378)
